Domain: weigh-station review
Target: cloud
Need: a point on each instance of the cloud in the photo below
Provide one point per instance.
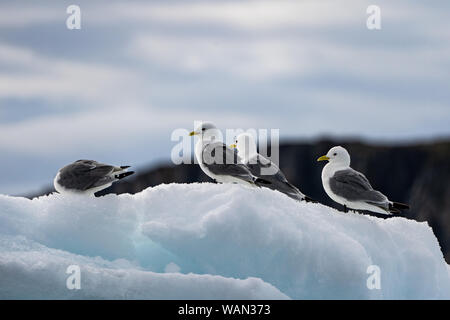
(282, 56)
(137, 70)
(16, 16)
(104, 129)
(246, 15)
(15, 55)
(35, 75)
(100, 128)
(208, 54)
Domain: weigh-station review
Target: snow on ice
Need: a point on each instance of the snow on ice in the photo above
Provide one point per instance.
(208, 241)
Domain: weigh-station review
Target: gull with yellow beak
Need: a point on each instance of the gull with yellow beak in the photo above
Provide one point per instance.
(218, 161)
(351, 188)
(263, 168)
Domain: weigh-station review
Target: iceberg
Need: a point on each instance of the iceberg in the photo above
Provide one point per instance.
(211, 241)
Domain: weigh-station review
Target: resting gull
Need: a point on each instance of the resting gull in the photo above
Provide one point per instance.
(264, 168)
(351, 188)
(218, 161)
(88, 177)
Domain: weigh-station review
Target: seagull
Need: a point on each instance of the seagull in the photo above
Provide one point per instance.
(351, 188)
(87, 177)
(218, 161)
(262, 167)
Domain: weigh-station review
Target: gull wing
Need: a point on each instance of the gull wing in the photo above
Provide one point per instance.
(276, 181)
(221, 160)
(354, 186)
(85, 174)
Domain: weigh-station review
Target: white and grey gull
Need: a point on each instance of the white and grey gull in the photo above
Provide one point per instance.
(266, 169)
(218, 161)
(351, 188)
(87, 177)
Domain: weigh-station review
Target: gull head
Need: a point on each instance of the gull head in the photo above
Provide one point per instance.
(245, 145)
(337, 155)
(207, 131)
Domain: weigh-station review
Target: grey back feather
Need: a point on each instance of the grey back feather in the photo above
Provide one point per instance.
(354, 186)
(85, 174)
(221, 160)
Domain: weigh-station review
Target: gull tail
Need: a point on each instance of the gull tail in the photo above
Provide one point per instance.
(396, 207)
(260, 182)
(308, 199)
(123, 175)
(298, 195)
(120, 169)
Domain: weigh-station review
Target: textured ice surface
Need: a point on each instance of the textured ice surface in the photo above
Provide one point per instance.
(208, 241)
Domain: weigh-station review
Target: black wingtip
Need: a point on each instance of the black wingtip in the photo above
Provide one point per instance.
(399, 205)
(396, 207)
(394, 211)
(124, 167)
(125, 174)
(261, 181)
(308, 199)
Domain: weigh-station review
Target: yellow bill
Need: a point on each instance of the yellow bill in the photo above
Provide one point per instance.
(323, 158)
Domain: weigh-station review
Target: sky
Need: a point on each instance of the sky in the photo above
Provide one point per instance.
(116, 89)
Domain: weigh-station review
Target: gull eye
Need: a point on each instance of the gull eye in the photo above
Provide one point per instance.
(335, 154)
(203, 129)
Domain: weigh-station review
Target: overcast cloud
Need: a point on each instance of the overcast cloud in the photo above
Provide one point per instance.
(116, 89)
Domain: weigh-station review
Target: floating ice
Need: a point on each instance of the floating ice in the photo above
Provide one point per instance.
(173, 241)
